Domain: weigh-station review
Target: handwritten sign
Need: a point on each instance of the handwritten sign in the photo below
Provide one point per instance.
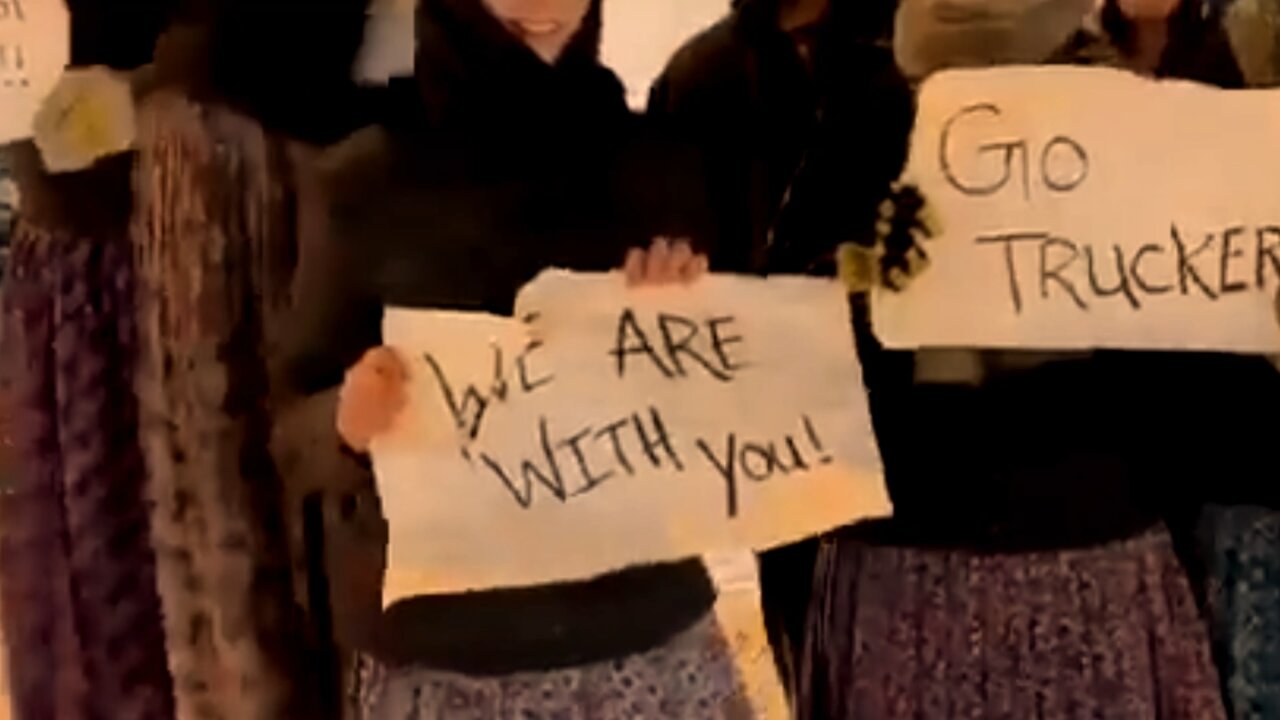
(1088, 208)
(35, 45)
(610, 427)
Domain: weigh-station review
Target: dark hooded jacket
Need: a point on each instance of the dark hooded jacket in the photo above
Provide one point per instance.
(492, 166)
(799, 154)
(798, 160)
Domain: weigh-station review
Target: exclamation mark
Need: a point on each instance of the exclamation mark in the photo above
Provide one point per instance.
(19, 64)
(824, 458)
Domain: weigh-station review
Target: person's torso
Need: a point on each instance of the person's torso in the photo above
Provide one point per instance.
(467, 236)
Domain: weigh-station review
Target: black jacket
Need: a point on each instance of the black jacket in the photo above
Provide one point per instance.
(493, 166)
(799, 161)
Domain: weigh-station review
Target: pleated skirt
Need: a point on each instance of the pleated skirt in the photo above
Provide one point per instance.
(1240, 549)
(691, 677)
(1105, 633)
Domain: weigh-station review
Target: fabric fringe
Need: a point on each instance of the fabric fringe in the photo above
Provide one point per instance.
(214, 244)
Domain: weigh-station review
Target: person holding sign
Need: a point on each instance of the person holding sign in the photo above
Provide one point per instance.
(512, 150)
(1028, 531)
(1221, 504)
(803, 120)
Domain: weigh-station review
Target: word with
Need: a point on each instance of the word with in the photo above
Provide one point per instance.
(1216, 267)
(12, 10)
(469, 407)
(760, 462)
(684, 346)
(1062, 164)
(13, 66)
(629, 441)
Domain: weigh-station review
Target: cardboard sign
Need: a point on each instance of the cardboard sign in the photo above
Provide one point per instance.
(609, 427)
(1090, 208)
(389, 43)
(35, 46)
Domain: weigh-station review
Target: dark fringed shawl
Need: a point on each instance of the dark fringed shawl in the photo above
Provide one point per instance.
(81, 614)
(214, 242)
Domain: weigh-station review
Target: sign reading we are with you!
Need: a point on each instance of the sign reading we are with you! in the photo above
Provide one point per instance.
(605, 427)
(1089, 208)
(35, 46)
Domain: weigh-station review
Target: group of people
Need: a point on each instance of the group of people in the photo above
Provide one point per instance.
(1043, 552)
(1083, 535)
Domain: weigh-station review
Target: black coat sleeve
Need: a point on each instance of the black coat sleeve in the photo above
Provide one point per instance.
(703, 99)
(859, 150)
(336, 316)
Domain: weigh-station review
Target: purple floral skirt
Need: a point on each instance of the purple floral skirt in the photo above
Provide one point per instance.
(1241, 553)
(692, 677)
(1104, 633)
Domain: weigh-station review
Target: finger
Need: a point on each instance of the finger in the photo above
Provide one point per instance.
(695, 269)
(883, 228)
(634, 266)
(678, 265)
(659, 257)
(886, 209)
(917, 261)
(857, 266)
(928, 221)
(385, 364)
(896, 279)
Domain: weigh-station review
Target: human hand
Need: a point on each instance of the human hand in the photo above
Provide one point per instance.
(666, 262)
(898, 256)
(372, 397)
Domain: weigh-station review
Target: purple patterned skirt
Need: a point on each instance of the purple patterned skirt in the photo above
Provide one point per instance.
(1240, 548)
(692, 677)
(82, 615)
(1105, 633)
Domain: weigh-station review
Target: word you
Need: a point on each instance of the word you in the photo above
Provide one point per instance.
(1213, 265)
(761, 461)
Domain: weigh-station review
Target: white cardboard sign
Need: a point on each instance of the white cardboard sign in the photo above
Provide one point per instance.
(609, 427)
(1090, 208)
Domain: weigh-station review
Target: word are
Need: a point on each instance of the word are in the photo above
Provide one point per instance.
(678, 346)
(1214, 265)
(1061, 164)
(570, 464)
(761, 461)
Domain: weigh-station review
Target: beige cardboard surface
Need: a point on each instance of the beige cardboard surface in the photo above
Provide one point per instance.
(35, 45)
(1088, 208)
(586, 460)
